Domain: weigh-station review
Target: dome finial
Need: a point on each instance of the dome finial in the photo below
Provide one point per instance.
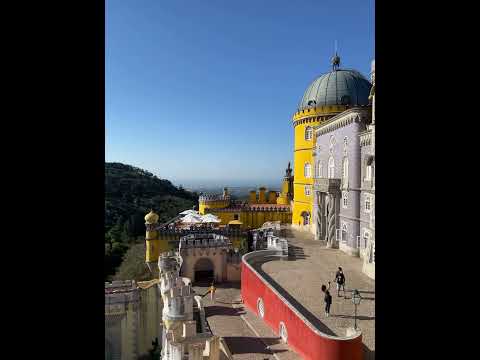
(335, 59)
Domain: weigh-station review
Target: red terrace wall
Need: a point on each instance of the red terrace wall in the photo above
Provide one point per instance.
(301, 337)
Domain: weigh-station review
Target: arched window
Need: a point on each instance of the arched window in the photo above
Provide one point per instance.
(345, 171)
(308, 133)
(308, 191)
(319, 169)
(307, 170)
(331, 168)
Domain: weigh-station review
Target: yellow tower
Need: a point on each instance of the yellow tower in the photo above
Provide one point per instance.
(327, 96)
(261, 196)
(272, 197)
(253, 197)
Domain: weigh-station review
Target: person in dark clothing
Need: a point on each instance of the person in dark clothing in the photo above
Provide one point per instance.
(340, 280)
(328, 299)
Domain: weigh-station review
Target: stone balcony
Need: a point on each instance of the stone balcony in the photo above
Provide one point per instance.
(327, 185)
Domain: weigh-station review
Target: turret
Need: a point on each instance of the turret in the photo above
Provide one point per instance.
(152, 241)
(261, 196)
(253, 197)
(272, 197)
(286, 194)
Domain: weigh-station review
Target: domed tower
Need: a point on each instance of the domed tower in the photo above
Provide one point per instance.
(328, 95)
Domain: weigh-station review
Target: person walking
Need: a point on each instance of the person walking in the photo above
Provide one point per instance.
(212, 289)
(340, 280)
(327, 299)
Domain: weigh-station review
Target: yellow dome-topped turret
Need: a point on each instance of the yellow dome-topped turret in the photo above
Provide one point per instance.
(151, 217)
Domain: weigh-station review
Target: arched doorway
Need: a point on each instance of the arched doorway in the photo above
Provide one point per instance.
(306, 217)
(204, 271)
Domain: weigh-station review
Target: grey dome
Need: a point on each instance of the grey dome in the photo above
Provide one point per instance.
(338, 87)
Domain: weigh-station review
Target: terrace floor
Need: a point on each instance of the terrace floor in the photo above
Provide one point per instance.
(300, 278)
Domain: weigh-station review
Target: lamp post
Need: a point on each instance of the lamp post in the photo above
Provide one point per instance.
(356, 298)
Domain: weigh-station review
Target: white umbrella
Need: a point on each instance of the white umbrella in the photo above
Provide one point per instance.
(210, 218)
(191, 219)
(188, 212)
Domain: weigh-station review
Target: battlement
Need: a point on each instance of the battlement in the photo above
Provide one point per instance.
(204, 241)
(206, 198)
(179, 233)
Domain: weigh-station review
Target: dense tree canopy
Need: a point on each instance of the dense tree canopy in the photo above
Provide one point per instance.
(130, 193)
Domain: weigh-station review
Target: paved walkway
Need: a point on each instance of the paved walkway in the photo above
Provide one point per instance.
(301, 279)
(247, 336)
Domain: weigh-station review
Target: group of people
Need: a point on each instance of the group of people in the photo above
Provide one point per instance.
(340, 281)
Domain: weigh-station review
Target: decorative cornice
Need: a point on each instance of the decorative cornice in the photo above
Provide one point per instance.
(325, 110)
(357, 114)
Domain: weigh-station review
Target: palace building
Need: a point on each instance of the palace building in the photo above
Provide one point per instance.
(334, 161)
(261, 207)
(331, 193)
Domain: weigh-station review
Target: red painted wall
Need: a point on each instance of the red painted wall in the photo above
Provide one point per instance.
(301, 338)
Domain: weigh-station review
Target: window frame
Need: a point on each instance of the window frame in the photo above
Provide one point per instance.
(308, 133)
(368, 200)
(308, 190)
(308, 166)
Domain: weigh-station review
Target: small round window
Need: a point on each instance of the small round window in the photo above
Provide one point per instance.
(260, 308)
(282, 331)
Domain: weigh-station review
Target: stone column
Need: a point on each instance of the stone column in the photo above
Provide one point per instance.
(331, 219)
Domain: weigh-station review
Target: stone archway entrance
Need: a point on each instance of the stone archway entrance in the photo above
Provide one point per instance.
(203, 271)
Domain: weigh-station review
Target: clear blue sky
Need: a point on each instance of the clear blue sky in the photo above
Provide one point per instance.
(204, 90)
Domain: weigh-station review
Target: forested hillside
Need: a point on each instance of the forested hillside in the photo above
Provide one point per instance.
(130, 193)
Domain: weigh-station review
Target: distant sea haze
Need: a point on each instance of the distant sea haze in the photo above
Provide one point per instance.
(217, 186)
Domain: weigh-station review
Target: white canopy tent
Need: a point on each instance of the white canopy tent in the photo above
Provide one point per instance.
(210, 218)
(191, 219)
(189, 212)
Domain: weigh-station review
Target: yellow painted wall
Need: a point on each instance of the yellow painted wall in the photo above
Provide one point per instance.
(303, 154)
(220, 204)
(254, 219)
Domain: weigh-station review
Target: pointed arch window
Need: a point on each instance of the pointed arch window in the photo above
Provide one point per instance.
(331, 168)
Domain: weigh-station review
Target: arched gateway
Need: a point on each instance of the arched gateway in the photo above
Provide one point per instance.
(203, 270)
(209, 257)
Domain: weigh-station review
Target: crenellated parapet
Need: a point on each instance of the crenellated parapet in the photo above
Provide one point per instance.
(204, 241)
(205, 198)
(181, 339)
